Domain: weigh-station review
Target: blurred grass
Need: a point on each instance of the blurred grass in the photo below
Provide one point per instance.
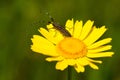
(20, 19)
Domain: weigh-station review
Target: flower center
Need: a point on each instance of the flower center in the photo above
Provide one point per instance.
(71, 48)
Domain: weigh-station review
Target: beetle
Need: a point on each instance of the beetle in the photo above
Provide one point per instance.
(60, 28)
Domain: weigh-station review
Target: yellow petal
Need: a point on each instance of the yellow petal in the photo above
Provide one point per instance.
(93, 66)
(56, 35)
(100, 49)
(96, 61)
(77, 29)
(79, 68)
(100, 43)
(82, 61)
(102, 54)
(95, 35)
(86, 29)
(50, 26)
(43, 46)
(47, 35)
(61, 65)
(51, 30)
(69, 26)
(53, 35)
(71, 62)
(59, 58)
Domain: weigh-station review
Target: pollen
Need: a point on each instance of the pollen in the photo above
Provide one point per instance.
(71, 47)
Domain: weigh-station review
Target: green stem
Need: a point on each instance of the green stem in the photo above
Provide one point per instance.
(69, 73)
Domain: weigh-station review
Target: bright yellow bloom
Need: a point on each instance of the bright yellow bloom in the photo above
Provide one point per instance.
(77, 51)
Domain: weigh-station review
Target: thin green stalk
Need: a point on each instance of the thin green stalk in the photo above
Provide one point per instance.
(69, 73)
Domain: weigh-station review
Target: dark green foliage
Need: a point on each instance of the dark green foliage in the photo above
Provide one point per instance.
(20, 19)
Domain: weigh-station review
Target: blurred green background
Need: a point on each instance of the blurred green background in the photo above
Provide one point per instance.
(20, 19)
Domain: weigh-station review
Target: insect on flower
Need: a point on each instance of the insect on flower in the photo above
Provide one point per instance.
(75, 45)
(60, 28)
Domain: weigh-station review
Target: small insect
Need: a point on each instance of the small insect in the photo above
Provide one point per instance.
(60, 28)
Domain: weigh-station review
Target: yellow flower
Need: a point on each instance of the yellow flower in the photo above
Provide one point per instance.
(77, 50)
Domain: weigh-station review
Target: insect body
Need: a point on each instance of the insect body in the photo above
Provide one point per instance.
(60, 28)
